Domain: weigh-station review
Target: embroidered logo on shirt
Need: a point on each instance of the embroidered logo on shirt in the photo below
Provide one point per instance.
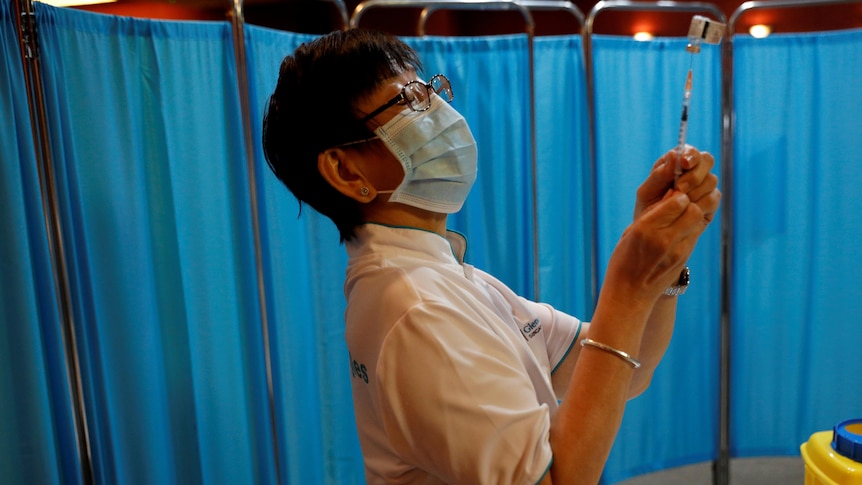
(531, 329)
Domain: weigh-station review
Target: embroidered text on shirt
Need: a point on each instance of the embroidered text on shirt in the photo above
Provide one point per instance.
(531, 329)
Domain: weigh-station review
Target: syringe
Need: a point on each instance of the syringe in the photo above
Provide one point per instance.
(701, 30)
(683, 128)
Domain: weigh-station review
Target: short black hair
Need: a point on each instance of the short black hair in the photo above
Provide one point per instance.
(313, 108)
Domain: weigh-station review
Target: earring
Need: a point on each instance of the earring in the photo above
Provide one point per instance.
(364, 191)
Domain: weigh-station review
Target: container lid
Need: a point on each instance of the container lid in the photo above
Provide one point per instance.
(847, 439)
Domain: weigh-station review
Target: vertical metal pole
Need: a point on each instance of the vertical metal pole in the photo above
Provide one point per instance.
(592, 178)
(26, 25)
(569, 7)
(721, 467)
(534, 164)
(238, 22)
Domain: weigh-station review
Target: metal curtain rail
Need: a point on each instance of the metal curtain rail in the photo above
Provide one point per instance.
(561, 5)
(238, 27)
(434, 5)
(342, 13)
(430, 6)
(26, 25)
(760, 4)
(721, 470)
(721, 466)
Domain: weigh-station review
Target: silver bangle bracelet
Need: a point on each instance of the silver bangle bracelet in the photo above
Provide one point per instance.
(607, 348)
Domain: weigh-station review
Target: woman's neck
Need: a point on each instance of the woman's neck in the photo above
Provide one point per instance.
(395, 214)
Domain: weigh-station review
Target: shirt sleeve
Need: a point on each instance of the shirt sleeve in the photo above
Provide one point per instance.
(457, 403)
(561, 331)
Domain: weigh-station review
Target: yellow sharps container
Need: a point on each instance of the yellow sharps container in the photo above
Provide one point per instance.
(834, 457)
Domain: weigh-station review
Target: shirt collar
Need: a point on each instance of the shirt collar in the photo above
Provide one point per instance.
(372, 235)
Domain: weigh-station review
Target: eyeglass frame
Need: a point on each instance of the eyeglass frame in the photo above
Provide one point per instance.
(402, 96)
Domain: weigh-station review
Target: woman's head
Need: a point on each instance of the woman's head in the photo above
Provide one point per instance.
(313, 109)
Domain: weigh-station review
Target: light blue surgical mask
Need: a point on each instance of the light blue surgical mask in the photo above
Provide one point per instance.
(439, 156)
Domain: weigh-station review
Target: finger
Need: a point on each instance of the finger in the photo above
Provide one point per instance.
(665, 212)
(660, 179)
(664, 159)
(694, 220)
(690, 159)
(678, 217)
(706, 186)
(696, 166)
(709, 204)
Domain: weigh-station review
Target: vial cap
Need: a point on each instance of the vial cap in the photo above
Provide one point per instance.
(847, 439)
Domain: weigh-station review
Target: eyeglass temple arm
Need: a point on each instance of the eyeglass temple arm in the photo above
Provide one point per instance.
(392, 102)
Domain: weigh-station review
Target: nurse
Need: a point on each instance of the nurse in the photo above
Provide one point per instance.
(456, 379)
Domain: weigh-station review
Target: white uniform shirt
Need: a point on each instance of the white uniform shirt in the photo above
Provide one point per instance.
(450, 369)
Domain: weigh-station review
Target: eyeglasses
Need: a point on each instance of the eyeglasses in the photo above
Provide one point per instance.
(417, 95)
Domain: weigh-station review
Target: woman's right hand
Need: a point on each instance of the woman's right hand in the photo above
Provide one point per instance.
(668, 222)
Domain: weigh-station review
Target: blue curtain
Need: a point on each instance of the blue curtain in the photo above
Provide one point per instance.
(564, 185)
(638, 94)
(304, 273)
(796, 232)
(37, 435)
(145, 130)
(491, 90)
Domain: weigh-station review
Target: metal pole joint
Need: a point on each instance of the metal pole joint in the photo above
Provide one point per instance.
(28, 35)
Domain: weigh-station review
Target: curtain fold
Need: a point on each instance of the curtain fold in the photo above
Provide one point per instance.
(638, 94)
(37, 432)
(304, 273)
(146, 134)
(491, 86)
(565, 188)
(796, 332)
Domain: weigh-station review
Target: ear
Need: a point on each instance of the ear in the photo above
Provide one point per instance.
(340, 170)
